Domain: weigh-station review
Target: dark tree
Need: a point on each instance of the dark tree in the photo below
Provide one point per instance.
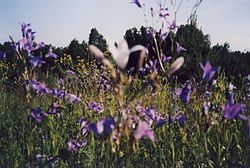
(97, 39)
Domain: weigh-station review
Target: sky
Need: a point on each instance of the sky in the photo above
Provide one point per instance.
(57, 22)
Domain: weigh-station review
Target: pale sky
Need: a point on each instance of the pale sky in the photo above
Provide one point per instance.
(57, 22)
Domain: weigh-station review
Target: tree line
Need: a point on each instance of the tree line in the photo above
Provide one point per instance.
(197, 44)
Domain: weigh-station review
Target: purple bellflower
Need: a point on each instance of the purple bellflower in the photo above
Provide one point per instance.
(27, 43)
(36, 62)
(71, 98)
(95, 107)
(185, 94)
(59, 93)
(231, 110)
(208, 71)
(180, 117)
(39, 87)
(38, 115)
(75, 146)
(50, 54)
(104, 126)
(144, 130)
(55, 109)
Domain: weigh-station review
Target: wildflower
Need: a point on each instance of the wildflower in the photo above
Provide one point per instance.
(185, 94)
(121, 52)
(83, 126)
(27, 43)
(40, 157)
(50, 54)
(231, 110)
(138, 3)
(38, 86)
(55, 109)
(208, 71)
(175, 65)
(36, 62)
(75, 146)
(38, 115)
(165, 58)
(172, 25)
(97, 128)
(59, 93)
(179, 48)
(95, 107)
(181, 118)
(72, 98)
(109, 125)
(206, 106)
(105, 126)
(144, 130)
(231, 87)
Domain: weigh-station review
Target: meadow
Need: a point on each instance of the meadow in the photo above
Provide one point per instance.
(65, 111)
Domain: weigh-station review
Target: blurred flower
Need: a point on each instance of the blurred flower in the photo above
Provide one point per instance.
(231, 110)
(36, 61)
(38, 115)
(208, 71)
(50, 54)
(109, 125)
(175, 65)
(105, 126)
(185, 94)
(121, 52)
(144, 130)
(95, 107)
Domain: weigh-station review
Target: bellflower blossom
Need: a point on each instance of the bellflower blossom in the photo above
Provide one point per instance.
(185, 94)
(75, 146)
(39, 87)
(27, 43)
(38, 115)
(144, 130)
(208, 71)
(104, 126)
(36, 61)
(50, 54)
(231, 110)
(95, 107)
